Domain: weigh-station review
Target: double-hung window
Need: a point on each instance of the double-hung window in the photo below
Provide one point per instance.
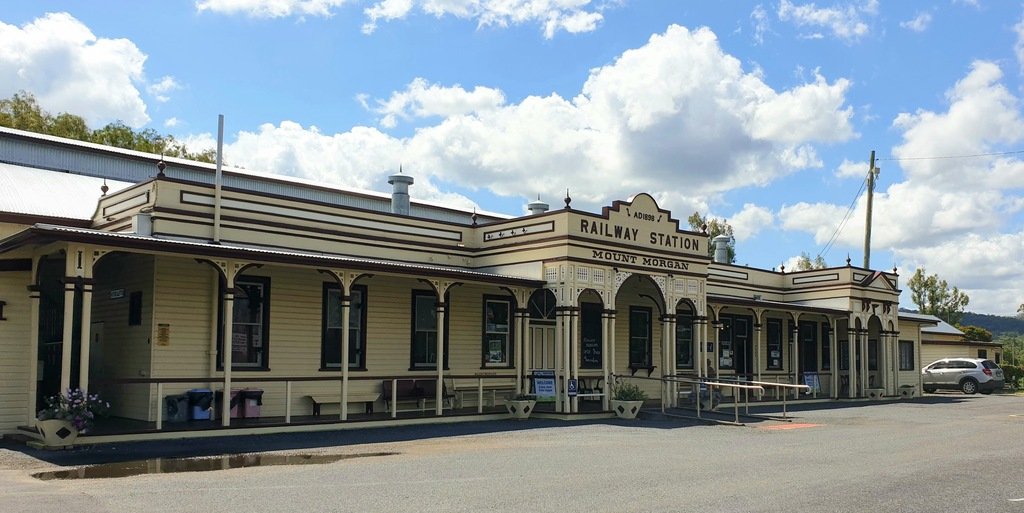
(250, 324)
(684, 341)
(906, 355)
(775, 356)
(497, 349)
(330, 351)
(639, 337)
(424, 331)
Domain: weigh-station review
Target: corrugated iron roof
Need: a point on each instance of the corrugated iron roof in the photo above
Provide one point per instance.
(85, 158)
(38, 192)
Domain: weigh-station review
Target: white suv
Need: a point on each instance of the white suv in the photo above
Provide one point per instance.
(969, 375)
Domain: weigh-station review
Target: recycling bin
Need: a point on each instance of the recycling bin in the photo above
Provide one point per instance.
(235, 398)
(251, 399)
(200, 403)
(176, 408)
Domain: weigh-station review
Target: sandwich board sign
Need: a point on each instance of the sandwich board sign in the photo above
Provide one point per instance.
(544, 386)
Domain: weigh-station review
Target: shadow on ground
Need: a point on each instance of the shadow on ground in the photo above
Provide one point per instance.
(226, 445)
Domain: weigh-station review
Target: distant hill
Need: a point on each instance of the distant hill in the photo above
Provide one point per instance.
(995, 323)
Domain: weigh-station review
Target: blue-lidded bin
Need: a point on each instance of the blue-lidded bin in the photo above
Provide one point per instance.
(200, 402)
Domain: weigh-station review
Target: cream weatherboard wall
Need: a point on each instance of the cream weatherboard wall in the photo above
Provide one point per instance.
(184, 299)
(14, 350)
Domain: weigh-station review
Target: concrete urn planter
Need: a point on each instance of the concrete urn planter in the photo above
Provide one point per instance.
(57, 433)
(875, 393)
(626, 409)
(907, 392)
(520, 408)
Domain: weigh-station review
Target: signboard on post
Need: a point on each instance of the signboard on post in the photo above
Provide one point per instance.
(573, 387)
(544, 386)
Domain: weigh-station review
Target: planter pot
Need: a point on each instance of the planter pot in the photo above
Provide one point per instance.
(57, 432)
(875, 393)
(626, 409)
(520, 409)
(908, 392)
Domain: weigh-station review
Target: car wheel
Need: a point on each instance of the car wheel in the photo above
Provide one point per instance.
(929, 390)
(969, 386)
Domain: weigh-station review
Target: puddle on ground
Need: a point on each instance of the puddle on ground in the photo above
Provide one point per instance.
(170, 465)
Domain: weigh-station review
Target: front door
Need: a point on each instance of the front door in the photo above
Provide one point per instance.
(542, 347)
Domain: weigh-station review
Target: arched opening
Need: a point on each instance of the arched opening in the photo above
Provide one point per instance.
(542, 345)
(686, 340)
(591, 333)
(874, 352)
(640, 304)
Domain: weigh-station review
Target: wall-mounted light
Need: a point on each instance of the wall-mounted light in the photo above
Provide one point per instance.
(2, 305)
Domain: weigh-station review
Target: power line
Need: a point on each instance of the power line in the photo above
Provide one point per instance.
(995, 154)
(846, 219)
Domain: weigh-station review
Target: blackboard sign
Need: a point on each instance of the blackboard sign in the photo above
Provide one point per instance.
(590, 343)
(591, 353)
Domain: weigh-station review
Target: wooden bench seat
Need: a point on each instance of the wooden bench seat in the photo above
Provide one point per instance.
(319, 400)
(492, 384)
(418, 390)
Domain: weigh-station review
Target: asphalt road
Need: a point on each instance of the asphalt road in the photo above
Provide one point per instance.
(942, 453)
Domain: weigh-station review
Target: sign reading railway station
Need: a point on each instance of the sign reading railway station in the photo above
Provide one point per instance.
(643, 224)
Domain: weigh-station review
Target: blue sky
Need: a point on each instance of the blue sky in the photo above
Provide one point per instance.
(762, 113)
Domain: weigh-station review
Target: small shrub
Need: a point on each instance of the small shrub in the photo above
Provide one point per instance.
(628, 392)
(1013, 374)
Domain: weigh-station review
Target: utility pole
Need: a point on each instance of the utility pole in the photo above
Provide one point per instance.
(872, 174)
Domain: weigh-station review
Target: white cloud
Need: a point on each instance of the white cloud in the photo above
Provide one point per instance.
(750, 221)
(676, 110)
(844, 22)
(986, 268)
(919, 23)
(160, 89)
(759, 18)
(953, 216)
(172, 122)
(850, 169)
(69, 69)
(553, 16)
(572, 16)
(422, 99)
(271, 8)
(1018, 46)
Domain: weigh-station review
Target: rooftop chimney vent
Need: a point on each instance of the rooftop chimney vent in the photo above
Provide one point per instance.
(537, 207)
(722, 249)
(400, 194)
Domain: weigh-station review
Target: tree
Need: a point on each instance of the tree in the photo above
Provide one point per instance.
(976, 333)
(804, 263)
(715, 228)
(933, 296)
(23, 112)
(1020, 311)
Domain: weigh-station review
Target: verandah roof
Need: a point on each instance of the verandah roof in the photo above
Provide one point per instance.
(47, 233)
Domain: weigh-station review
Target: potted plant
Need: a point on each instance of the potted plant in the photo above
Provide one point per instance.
(520, 406)
(68, 415)
(627, 398)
